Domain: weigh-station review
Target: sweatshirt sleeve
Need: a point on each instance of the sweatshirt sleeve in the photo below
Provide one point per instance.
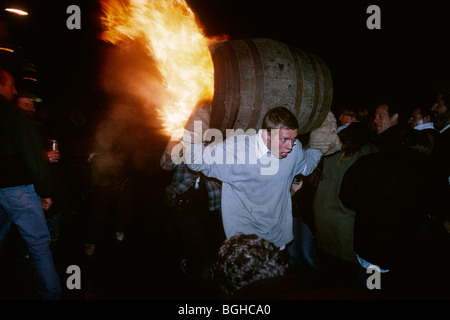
(309, 159)
(209, 160)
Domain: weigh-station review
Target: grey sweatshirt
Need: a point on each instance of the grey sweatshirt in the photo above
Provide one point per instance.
(255, 188)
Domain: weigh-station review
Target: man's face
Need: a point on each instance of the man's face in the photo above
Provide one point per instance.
(27, 105)
(345, 118)
(440, 113)
(382, 119)
(415, 119)
(439, 108)
(8, 89)
(284, 139)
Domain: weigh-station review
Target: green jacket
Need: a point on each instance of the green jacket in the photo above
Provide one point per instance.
(22, 154)
(334, 222)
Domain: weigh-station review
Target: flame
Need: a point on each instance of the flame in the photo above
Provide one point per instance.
(175, 41)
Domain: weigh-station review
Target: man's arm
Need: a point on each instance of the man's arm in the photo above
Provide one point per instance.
(309, 161)
(29, 144)
(209, 160)
(197, 156)
(166, 159)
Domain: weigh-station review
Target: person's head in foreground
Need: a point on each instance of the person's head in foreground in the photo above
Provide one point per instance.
(244, 259)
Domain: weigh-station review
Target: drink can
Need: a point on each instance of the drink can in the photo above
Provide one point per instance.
(55, 145)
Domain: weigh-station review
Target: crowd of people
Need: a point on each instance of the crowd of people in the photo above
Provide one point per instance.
(366, 195)
(271, 215)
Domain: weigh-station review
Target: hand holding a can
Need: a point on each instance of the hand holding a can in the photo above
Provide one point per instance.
(53, 155)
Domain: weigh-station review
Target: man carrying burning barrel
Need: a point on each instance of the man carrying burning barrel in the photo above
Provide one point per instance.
(256, 200)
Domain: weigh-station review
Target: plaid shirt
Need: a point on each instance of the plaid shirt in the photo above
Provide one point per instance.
(184, 179)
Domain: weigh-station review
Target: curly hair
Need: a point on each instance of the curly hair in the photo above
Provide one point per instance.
(243, 259)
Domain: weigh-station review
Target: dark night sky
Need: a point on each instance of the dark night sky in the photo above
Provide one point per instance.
(404, 60)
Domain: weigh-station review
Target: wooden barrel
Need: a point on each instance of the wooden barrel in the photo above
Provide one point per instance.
(252, 76)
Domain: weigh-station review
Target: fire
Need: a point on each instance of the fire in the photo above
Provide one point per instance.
(175, 41)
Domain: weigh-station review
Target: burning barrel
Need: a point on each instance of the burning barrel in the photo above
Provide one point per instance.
(252, 76)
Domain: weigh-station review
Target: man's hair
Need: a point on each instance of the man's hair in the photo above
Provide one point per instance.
(445, 96)
(244, 259)
(280, 118)
(392, 109)
(359, 112)
(424, 112)
(3, 76)
(353, 138)
(26, 94)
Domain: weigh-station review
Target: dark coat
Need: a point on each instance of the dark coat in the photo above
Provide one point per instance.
(22, 154)
(390, 139)
(386, 190)
(440, 168)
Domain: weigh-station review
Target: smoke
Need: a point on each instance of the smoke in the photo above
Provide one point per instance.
(131, 80)
(129, 131)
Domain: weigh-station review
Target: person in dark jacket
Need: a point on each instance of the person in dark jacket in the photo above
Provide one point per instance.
(25, 187)
(387, 127)
(25, 100)
(387, 191)
(441, 155)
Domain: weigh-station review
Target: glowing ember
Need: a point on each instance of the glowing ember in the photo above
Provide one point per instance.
(175, 41)
(17, 11)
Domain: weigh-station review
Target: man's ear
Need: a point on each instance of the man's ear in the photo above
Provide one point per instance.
(395, 117)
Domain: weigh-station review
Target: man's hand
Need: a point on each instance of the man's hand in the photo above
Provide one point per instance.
(295, 187)
(53, 156)
(168, 160)
(197, 123)
(325, 137)
(201, 112)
